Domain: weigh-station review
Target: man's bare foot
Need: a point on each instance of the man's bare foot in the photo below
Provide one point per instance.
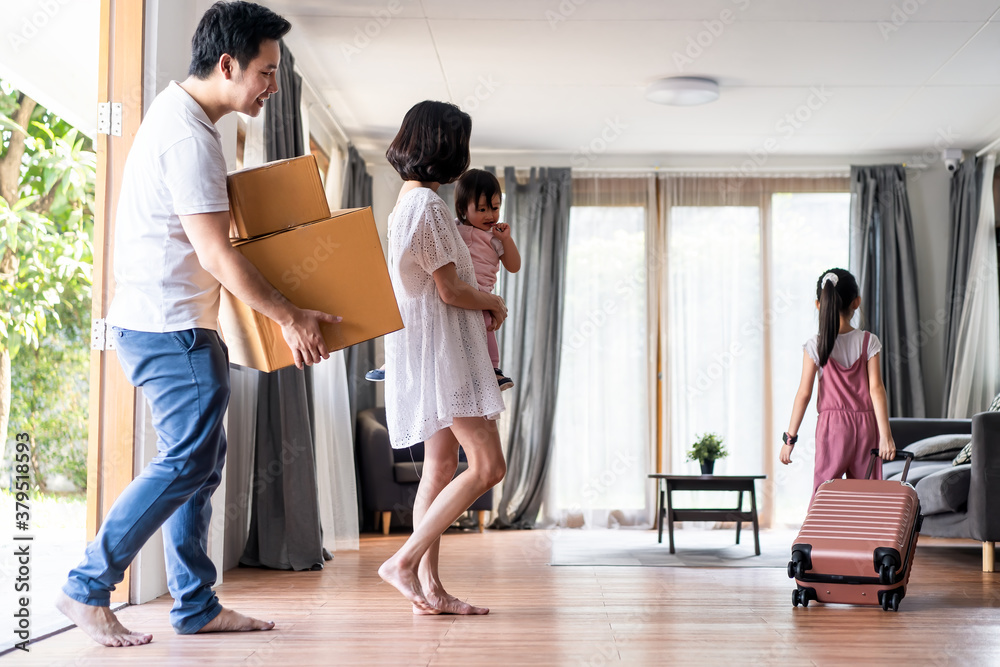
(99, 623)
(443, 602)
(233, 621)
(406, 582)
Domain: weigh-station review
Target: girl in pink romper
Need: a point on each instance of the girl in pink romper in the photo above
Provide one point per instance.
(477, 205)
(853, 412)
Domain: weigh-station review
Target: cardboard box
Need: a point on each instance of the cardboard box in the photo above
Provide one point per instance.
(275, 196)
(334, 265)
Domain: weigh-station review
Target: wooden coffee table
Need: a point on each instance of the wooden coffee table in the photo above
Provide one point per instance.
(667, 484)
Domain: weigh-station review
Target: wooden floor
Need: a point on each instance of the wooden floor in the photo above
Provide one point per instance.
(547, 615)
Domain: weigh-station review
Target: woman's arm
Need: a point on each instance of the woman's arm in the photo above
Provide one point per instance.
(456, 292)
(802, 398)
(886, 445)
(511, 258)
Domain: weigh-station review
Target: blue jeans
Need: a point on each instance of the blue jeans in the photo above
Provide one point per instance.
(185, 377)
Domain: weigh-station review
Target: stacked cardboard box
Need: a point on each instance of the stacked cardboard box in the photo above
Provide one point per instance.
(318, 259)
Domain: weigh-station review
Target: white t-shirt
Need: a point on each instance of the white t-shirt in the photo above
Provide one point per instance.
(846, 349)
(176, 167)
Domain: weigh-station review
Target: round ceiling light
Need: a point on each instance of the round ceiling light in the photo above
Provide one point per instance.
(683, 91)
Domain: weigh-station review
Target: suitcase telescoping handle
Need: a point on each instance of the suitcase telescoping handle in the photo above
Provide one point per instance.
(899, 452)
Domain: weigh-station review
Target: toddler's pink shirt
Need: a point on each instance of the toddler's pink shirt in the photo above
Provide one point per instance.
(485, 250)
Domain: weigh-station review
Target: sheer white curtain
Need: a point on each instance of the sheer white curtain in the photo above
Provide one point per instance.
(725, 268)
(743, 255)
(976, 374)
(338, 492)
(604, 424)
(809, 234)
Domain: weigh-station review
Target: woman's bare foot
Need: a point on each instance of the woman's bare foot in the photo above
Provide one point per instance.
(406, 582)
(99, 623)
(443, 602)
(233, 621)
(417, 611)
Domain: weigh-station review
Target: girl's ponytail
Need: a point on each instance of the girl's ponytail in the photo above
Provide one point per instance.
(835, 291)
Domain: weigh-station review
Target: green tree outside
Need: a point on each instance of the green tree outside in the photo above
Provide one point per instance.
(47, 184)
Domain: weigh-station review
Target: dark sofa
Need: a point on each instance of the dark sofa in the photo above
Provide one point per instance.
(389, 477)
(958, 501)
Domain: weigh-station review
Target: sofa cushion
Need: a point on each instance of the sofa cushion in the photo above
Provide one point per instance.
(938, 447)
(964, 456)
(946, 490)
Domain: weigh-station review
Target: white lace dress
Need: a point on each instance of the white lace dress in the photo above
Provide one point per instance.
(437, 367)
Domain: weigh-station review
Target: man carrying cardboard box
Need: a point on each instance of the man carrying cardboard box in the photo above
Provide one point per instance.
(172, 251)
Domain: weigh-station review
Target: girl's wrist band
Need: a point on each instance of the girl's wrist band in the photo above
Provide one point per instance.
(789, 439)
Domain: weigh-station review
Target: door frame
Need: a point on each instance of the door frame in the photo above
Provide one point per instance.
(112, 410)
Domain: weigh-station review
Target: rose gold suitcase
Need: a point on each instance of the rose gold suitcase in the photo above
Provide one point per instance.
(857, 543)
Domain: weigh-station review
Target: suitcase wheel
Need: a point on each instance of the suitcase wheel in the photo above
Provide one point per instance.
(795, 597)
(887, 575)
(890, 600)
(800, 596)
(799, 563)
(796, 568)
(887, 571)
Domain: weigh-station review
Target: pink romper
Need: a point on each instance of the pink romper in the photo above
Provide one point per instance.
(846, 431)
(486, 251)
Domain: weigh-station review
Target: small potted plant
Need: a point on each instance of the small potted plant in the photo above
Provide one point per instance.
(706, 450)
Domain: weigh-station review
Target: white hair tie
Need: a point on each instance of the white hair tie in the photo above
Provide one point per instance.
(830, 277)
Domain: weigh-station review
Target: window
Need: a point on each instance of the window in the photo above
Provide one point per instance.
(715, 340)
(735, 262)
(601, 452)
(741, 273)
(810, 234)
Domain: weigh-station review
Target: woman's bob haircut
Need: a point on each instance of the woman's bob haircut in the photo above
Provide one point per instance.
(432, 145)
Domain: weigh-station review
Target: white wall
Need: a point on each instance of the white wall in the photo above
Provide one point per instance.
(928, 190)
(385, 188)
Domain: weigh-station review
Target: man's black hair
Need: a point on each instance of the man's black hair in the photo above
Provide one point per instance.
(236, 28)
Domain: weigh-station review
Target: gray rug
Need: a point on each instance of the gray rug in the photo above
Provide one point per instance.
(694, 548)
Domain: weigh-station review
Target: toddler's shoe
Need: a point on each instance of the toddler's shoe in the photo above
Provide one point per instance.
(376, 375)
(502, 380)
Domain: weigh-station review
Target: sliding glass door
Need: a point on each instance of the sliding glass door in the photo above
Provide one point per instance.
(716, 346)
(741, 291)
(810, 233)
(728, 270)
(601, 454)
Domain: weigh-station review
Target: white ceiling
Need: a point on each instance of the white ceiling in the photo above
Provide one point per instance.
(552, 76)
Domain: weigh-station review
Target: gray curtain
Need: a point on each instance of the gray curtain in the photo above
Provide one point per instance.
(360, 358)
(285, 530)
(964, 217)
(283, 119)
(882, 258)
(531, 339)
